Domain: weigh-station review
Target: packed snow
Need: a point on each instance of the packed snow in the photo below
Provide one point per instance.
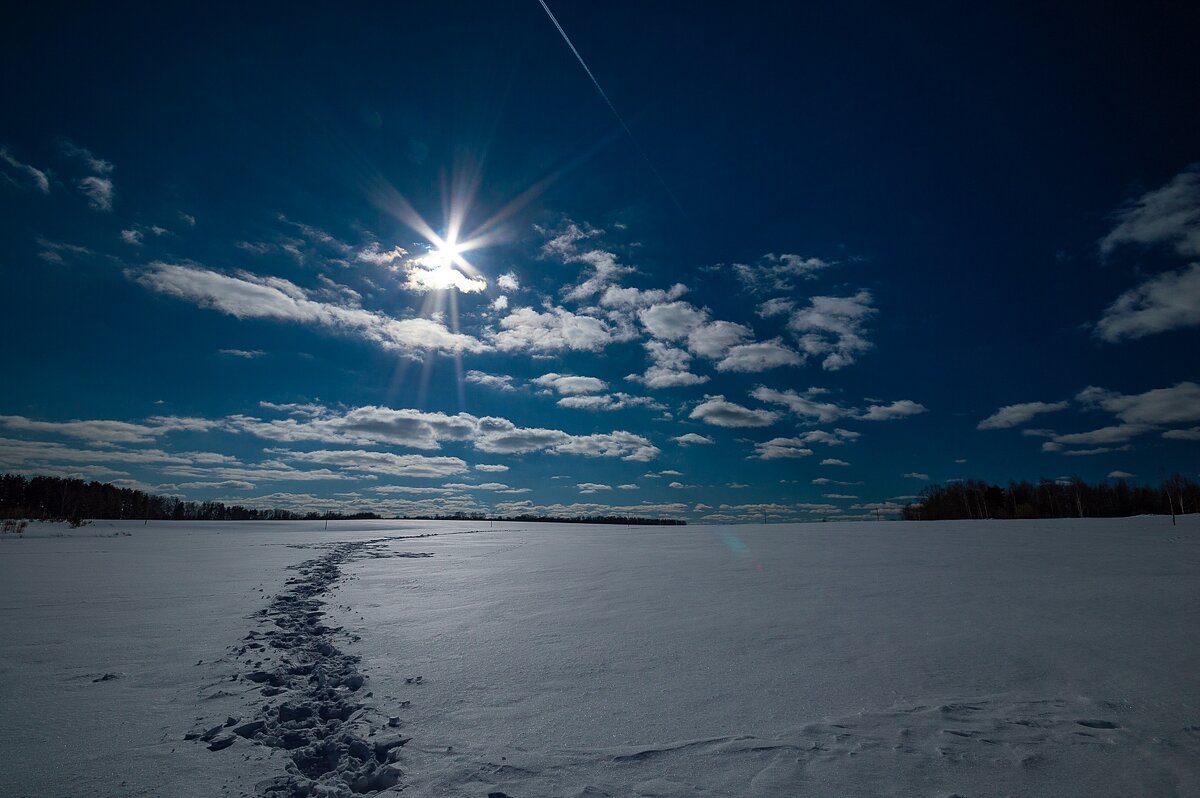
(468, 659)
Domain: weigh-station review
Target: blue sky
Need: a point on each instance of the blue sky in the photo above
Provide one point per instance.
(822, 257)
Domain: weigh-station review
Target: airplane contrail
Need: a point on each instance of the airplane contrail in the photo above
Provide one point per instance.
(613, 108)
(583, 64)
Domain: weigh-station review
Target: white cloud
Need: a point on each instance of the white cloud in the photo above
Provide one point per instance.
(592, 487)
(1120, 475)
(832, 461)
(133, 237)
(436, 272)
(714, 339)
(671, 321)
(717, 411)
(915, 475)
(781, 448)
(619, 443)
(1169, 215)
(837, 496)
(1177, 404)
(759, 357)
(629, 299)
(398, 465)
(901, 408)
(1097, 450)
(53, 251)
(103, 431)
(247, 296)
(803, 404)
(834, 327)
(487, 468)
(692, 438)
(373, 253)
(366, 425)
(1115, 434)
(99, 191)
(628, 486)
(776, 307)
(775, 272)
(501, 382)
(500, 303)
(1169, 301)
(508, 282)
(1192, 434)
(39, 178)
(556, 330)
(670, 369)
(96, 165)
(1016, 415)
(614, 401)
(570, 385)
(248, 354)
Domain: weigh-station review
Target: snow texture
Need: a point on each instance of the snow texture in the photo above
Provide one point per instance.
(909, 659)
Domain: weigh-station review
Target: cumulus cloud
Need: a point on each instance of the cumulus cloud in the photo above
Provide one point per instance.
(248, 296)
(508, 282)
(490, 468)
(901, 408)
(832, 461)
(691, 439)
(1016, 415)
(104, 431)
(671, 321)
(570, 385)
(39, 178)
(613, 401)
(803, 404)
(99, 191)
(775, 272)
(501, 382)
(781, 448)
(629, 299)
(374, 254)
(397, 465)
(834, 328)
(759, 357)
(1169, 301)
(719, 412)
(714, 339)
(1169, 215)
(1115, 434)
(1161, 406)
(670, 369)
(94, 164)
(54, 251)
(555, 330)
(592, 487)
(436, 272)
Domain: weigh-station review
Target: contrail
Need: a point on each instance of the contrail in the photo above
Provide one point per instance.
(613, 108)
(583, 64)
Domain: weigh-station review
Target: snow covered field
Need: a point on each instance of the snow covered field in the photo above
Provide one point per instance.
(969, 658)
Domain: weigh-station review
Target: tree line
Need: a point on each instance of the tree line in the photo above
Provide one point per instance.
(66, 499)
(1052, 498)
(58, 498)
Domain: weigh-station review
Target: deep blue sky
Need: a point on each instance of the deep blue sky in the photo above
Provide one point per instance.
(857, 233)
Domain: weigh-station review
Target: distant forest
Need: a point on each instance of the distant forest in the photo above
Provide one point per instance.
(56, 498)
(1054, 499)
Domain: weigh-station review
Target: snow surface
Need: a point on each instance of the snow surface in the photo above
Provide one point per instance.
(923, 659)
